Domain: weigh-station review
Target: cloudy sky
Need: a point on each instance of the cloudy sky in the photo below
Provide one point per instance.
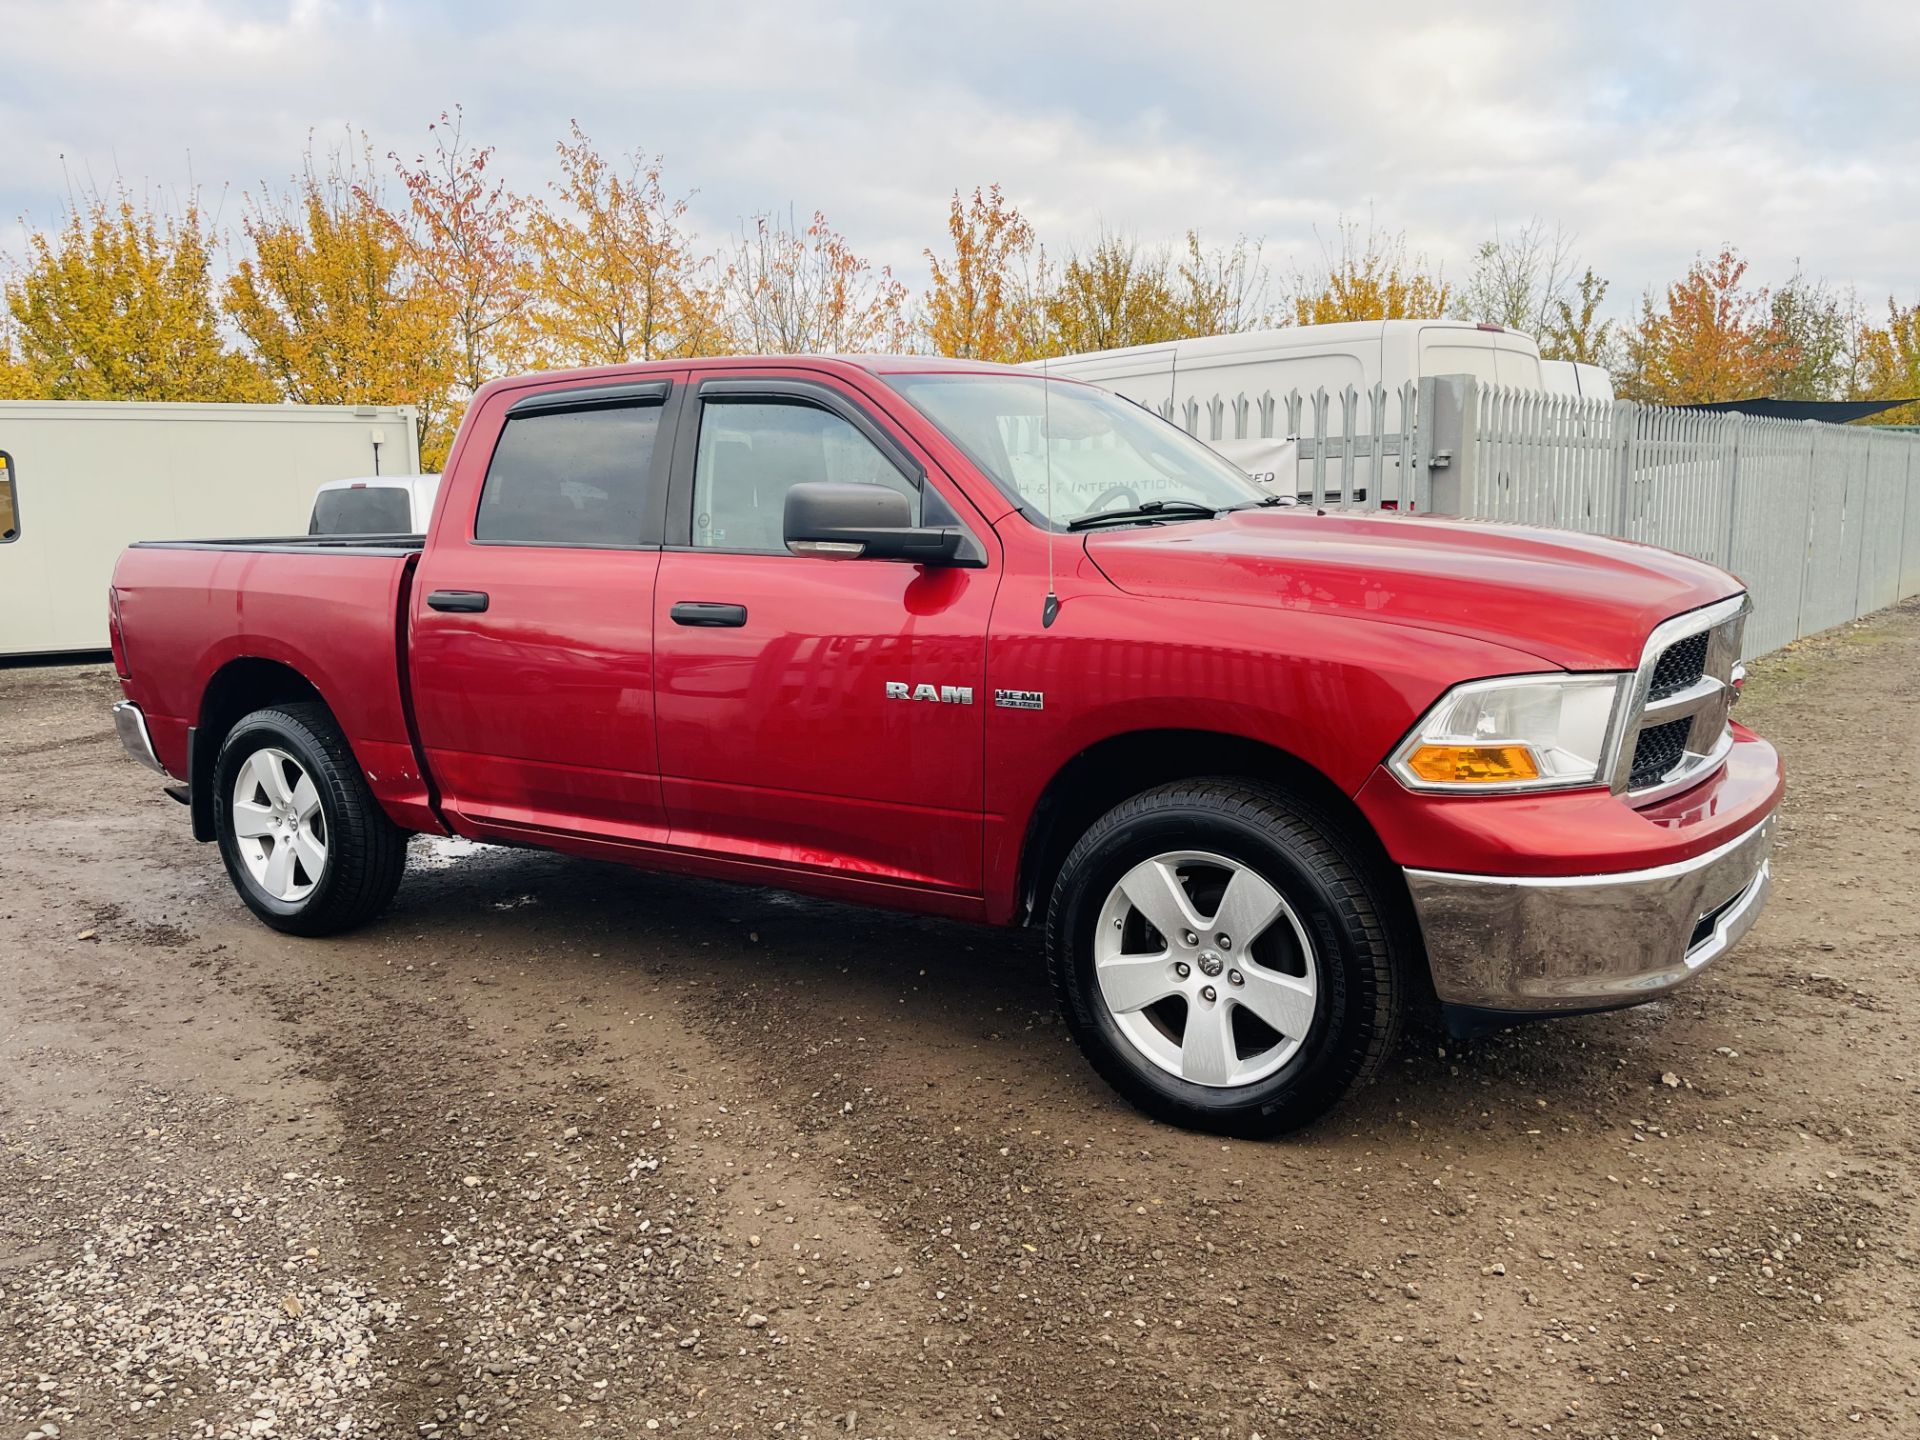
(1652, 131)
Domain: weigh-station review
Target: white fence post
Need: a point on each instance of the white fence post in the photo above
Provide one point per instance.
(1448, 442)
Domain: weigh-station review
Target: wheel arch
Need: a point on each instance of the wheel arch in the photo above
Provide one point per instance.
(239, 687)
(1121, 766)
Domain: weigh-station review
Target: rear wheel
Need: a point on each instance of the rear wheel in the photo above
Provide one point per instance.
(1222, 956)
(304, 841)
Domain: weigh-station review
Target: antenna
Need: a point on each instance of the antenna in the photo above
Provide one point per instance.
(1051, 608)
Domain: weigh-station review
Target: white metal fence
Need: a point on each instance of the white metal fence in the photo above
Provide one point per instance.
(1822, 522)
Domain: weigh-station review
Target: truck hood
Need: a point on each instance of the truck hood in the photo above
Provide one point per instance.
(1580, 602)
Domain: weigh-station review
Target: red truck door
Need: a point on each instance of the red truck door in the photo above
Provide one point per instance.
(815, 713)
(531, 642)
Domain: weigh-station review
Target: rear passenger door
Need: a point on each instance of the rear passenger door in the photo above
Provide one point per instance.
(787, 731)
(531, 641)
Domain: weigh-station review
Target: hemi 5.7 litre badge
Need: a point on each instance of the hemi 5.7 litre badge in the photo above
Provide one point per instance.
(1020, 699)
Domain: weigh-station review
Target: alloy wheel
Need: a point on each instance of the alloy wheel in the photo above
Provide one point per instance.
(1206, 968)
(280, 830)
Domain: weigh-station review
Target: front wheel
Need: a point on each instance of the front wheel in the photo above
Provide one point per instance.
(304, 841)
(1222, 955)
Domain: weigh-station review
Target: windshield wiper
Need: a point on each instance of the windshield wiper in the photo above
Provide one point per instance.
(1264, 502)
(1145, 510)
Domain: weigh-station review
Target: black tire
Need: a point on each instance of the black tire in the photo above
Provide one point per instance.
(1332, 887)
(366, 852)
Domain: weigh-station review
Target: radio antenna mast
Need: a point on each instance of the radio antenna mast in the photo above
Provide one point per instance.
(1051, 608)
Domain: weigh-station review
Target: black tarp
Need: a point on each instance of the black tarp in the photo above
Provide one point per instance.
(1834, 412)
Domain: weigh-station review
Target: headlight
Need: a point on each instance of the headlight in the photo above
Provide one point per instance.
(1528, 732)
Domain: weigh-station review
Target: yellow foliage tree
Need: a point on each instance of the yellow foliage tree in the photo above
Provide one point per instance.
(1890, 363)
(16, 380)
(1112, 294)
(1710, 338)
(119, 305)
(1369, 278)
(974, 304)
(614, 273)
(331, 306)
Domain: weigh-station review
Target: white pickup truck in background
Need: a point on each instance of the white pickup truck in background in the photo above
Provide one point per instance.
(374, 505)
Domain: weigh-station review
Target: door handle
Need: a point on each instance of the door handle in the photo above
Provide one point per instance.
(470, 601)
(709, 613)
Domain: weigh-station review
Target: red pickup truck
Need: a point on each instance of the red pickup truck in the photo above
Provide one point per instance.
(970, 641)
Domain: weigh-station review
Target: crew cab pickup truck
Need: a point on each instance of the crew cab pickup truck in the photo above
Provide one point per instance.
(985, 644)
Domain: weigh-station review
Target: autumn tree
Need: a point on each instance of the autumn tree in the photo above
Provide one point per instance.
(17, 381)
(1890, 363)
(1518, 280)
(118, 304)
(615, 276)
(1113, 293)
(1814, 327)
(974, 301)
(1710, 338)
(1223, 291)
(330, 303)
(1368, 277)
(1575, 330)
(460, 233)
(792, 291)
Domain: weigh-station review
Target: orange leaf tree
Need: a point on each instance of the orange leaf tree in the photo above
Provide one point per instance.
(330, 303)
(119, 305)
(1710, 338)
(973, 305)
(790, 291)
(614, 274)
(460, 233)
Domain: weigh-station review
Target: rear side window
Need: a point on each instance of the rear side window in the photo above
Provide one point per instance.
(9, 508)
(573, 477)
(361, 510)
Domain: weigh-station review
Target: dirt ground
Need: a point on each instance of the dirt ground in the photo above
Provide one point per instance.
(558, 1147)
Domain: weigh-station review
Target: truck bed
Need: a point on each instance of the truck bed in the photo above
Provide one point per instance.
(329, 610)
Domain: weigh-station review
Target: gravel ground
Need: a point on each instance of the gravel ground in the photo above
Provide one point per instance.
(557, 1147)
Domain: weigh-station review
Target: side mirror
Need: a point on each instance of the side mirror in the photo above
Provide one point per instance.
(863, 522)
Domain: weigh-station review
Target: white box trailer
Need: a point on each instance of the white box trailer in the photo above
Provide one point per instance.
(81, 480)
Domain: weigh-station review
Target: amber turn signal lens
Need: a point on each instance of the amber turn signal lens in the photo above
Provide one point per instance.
(1471, 764)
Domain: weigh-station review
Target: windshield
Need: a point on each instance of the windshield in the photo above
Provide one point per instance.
(1105, 453)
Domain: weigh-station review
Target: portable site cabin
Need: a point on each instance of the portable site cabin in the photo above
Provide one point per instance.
(81, 480)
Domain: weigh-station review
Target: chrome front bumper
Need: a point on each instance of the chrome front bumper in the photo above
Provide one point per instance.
(1535, 945)
(132, 726)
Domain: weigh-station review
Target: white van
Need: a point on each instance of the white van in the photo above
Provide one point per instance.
(1306, 358)
(374, 505)
(1572, 377)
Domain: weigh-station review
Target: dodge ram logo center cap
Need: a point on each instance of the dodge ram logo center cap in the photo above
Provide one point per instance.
(1210, 962)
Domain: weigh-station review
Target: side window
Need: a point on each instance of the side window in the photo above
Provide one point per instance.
(570, 477)
(9, 509)
(361, 510)
(753, 451)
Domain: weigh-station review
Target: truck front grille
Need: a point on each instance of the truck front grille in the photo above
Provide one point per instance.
(1677, 731)
(1679, 665)
(1658, 750)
